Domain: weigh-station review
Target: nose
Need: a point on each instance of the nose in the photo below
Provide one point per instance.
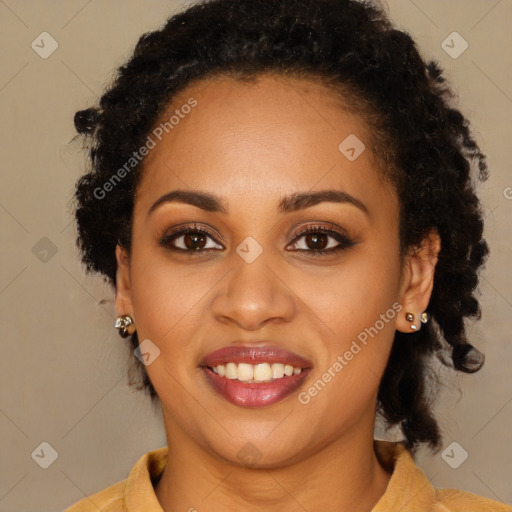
(254, 294)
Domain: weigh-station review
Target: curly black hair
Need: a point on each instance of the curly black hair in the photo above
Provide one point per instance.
(422, 143)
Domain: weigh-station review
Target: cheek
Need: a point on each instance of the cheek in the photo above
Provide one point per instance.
(168, 300)
(167, 305)
(352, 296)
(358, 307)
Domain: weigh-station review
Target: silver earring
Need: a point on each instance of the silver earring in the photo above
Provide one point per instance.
(410, 318)
(123, 324)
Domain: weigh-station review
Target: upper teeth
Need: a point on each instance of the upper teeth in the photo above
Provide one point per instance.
(263, 372)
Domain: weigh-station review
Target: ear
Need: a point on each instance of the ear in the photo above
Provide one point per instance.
(124, 304)
(418, 281)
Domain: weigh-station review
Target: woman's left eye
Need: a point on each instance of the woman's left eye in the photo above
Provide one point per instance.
(318, 238)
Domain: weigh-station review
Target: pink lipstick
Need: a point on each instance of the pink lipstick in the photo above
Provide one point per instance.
(250, 376)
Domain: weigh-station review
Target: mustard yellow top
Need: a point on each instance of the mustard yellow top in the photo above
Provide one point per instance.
(408, 490)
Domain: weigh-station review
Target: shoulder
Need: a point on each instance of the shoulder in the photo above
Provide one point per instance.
(410, 490)
(455, 500)
(109, 499)
(135, 493)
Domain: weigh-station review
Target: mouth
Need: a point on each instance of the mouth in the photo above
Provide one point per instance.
(254, 376)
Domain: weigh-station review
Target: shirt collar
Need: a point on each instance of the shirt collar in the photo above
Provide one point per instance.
(139, 494)
(409, 489)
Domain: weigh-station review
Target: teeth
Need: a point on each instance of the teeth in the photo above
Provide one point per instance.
(262, 372)
(231, 371)
(245, 372)
(277, 370)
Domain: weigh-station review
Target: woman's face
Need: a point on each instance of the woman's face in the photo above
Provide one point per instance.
(258, 292)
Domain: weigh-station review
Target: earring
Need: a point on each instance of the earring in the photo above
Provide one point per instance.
(424, 317)
(410, 318)
(123, 323)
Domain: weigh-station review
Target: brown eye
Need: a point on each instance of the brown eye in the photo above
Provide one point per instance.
(319, 240)
(194, 241)
(189, 240)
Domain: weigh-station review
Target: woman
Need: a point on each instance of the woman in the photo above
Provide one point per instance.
(281, 195)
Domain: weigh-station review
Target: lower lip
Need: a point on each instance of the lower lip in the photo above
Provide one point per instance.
(255, 394)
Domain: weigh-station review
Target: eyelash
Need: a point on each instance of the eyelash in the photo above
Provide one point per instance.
(344, 241)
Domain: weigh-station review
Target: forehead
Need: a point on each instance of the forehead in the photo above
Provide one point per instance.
(260, 139)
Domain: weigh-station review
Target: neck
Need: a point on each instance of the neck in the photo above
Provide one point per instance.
(344, 475)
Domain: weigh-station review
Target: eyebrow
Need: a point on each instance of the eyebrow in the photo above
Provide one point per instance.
(293, 202)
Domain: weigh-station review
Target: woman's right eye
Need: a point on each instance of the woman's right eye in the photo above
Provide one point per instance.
(188, 240)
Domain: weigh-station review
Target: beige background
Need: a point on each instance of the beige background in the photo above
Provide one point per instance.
(63, 365)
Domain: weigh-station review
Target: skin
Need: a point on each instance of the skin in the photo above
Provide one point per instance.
(252, 144)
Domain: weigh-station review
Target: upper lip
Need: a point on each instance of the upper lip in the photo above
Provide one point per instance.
(254, 355)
